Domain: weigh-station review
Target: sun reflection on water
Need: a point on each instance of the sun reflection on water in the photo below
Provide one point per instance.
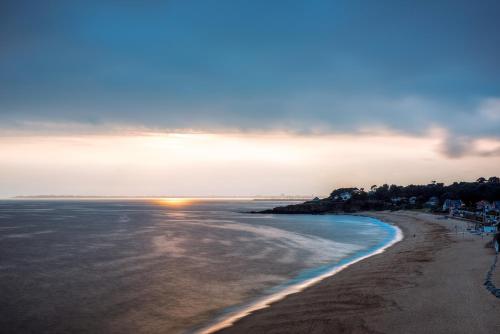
(174, 201)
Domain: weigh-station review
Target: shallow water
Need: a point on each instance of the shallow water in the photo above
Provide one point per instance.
(150, 266)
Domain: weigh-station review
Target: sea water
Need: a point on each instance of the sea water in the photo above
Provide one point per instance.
(162, 266)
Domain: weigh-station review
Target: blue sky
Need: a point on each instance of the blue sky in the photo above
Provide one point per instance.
(309, 68)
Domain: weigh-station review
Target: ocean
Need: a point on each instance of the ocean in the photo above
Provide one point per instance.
(161, 265)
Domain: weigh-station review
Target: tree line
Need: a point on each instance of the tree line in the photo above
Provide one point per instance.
(468, 192)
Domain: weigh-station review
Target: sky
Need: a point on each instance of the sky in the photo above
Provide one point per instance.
(245, 97)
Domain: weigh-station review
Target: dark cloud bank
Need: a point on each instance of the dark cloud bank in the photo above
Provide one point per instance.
(315, 66)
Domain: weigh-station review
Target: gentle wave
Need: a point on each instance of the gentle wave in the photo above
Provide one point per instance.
(229, 319)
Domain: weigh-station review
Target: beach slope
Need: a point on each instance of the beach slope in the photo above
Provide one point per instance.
(431, 282)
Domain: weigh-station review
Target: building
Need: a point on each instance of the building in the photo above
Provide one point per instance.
(489, 229)
(432, 202)
(396, 200)
(451, 204)
(345, 196)
(484, 206)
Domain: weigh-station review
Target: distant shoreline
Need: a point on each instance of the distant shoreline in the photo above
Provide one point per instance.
(255, 198)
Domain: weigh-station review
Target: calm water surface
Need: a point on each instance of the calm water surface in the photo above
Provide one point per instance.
(157, 266)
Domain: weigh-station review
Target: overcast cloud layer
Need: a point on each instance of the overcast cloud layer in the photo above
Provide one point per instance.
(255, 65)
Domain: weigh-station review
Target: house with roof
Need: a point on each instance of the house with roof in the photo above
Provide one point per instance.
(452, 204)
(345, 196)
(432, 202)
(484, 206)
(490, 229)
(396, 200)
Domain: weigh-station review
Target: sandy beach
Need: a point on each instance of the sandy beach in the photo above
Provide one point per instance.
(431, 282)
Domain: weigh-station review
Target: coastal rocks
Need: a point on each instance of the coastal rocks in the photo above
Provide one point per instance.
(311, 207)
(329, 205)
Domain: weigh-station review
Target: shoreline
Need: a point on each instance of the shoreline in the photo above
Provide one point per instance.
(431, 282)
(228, 320)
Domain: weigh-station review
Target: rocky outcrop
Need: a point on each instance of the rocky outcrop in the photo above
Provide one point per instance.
(329, 205)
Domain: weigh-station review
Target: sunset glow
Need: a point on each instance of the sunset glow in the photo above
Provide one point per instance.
(155, 99)
(174, 201)
(229, 164)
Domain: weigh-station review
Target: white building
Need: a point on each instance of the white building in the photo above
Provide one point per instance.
(345, 196)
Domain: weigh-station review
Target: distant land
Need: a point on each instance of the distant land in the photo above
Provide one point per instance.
(257, 197)
(480, 195)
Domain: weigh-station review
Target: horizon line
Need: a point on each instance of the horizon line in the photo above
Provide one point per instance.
(163, 196)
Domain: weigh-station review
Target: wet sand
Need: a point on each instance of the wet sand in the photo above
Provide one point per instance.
(431, 282)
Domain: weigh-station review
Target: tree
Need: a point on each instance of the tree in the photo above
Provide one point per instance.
(494, 180)
(481, 180)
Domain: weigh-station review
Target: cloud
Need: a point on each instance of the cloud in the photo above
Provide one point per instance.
(455, 147)
(306, 68)
(490, 153)
(489, 110)
(305, 113)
